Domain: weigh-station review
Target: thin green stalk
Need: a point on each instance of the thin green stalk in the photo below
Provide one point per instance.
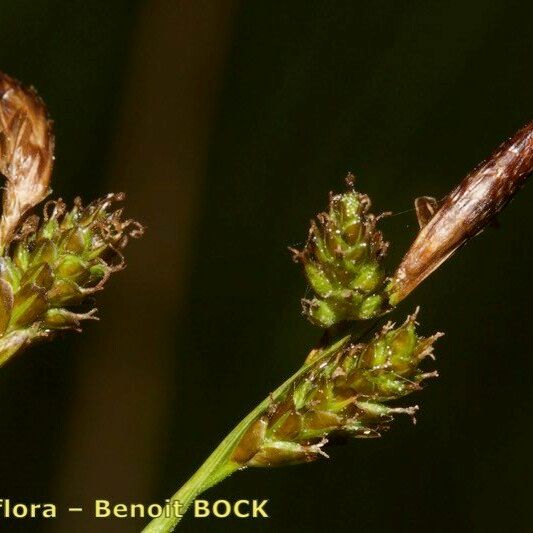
(219, 465)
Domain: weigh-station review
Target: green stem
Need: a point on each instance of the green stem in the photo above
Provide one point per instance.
(219, 465)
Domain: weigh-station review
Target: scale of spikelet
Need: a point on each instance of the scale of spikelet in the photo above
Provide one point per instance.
(55, 265)
(347, 394)
(342, 261)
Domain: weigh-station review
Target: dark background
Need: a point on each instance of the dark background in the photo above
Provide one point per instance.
(227, 124)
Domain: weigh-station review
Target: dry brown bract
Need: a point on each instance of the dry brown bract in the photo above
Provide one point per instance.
(26, 153)
(466, 210)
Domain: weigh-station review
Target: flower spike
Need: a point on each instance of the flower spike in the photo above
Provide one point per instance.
(342, 261)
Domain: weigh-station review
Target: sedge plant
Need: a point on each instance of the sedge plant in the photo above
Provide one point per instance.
(352, 384)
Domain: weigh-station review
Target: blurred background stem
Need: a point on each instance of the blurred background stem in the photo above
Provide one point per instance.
(159, 159)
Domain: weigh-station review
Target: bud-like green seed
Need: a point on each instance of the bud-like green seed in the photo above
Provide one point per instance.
(318, 279)
(21, 255)
(321, 312)
(40, 275)
(29, 304)
(64, 293)
(45, 252)
(72, 267)
(64, 319)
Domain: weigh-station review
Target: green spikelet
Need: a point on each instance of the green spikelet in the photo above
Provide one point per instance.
(56, 265)
(342, 260)
(345, 395)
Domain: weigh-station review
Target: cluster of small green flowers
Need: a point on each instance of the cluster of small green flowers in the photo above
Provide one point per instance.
(347, 393)
(342, 262)
(54, 265)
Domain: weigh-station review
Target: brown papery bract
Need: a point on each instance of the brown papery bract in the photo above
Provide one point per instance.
(26, 153)
(465, 211)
